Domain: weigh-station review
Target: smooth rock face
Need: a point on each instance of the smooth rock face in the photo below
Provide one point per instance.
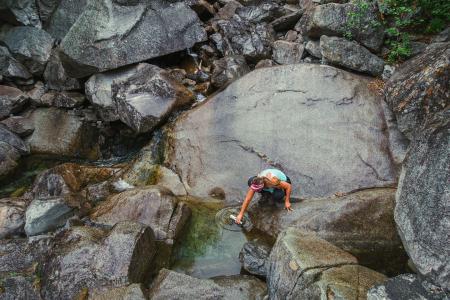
(19, 125)
(147, 97)
(131, 292)
(313, 48)
(331, 19)
(337, 121)
(24, 11)
(173, 285)
(361, 223)
(73, 137)
(12, 212)
(56, 77)
(405, 286)
(253, 257)
(31, 46)
(11, 100)
(98, 90)
(286, 53)
(420, 87)
(10, 67)
(84, 257)
(153, 206)
(423, 201)
(303, 266)
(110, 34)
(228, 69)
(351, 55)
(63, 17)
(46, 215)
(170, 180)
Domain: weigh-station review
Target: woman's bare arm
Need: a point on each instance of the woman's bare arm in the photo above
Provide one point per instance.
(287, 187)
(247, 200)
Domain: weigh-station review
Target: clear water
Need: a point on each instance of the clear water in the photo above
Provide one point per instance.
(206, 249)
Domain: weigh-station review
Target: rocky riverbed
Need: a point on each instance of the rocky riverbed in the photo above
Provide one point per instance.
(126, 126)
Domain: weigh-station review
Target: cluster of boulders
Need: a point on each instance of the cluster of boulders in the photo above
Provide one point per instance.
(93, 80)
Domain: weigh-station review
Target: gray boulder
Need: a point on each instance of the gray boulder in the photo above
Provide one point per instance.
(85, 257)
(419, 88)
(303, 266)
(61, 99)
(285, 53)
(130, 292)
(351, 55)
(18, 287)
(110, 34)
(55, 76)
(254, 257)
(46, 9)
(338, 120)
(147, 97)
(19, 125)
(287, 21)
(17, 12)
(243, 286)
(64, 14)
(265, 63)
(31, 46)
(98, 90)
(12, 212)
(10, 67)
(74, 138)
(264, 12)
(8, 158)
(422, 200)
(153, 206)
(333, 19)
(13, 140)
(313, 48)
(12, 100)
(228, 69)
(46, 215)
(405, 287)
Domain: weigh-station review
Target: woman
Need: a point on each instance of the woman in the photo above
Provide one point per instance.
(271, 181)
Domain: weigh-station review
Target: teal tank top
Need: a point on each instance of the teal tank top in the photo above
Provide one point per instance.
(277, 173)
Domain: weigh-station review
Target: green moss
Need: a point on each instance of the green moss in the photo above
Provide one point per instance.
(19, 192)
(154, 175)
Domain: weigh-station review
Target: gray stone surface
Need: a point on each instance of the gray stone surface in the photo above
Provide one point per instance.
(313, 48)
(31, 46)
(407, 287)
(253, 257)
(62, 99)
(286, 53)
(18, 287)
(170, 180)
(8, 158)
(46, 215)
(46, 9)
(12, 100)
(19, 125)
(12, 139)
(74, 137)
(23, 12)
(337, 121)
(420, 87)
(12, 212)
(332, 20)
(55, 76)
(147, 97)
(130, 33)
(287, 21)
(131, 292)
(264, 12)
(351, 55)
(423, 200)
(64, 14)
(303, 266)
(227, 69)
(10, 67)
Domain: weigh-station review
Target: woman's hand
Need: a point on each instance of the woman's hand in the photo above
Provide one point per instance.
(239, 219)
(287, 206)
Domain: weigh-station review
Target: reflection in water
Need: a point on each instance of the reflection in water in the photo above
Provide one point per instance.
(206, 250)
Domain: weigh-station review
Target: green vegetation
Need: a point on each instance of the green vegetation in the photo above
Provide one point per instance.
(400, 18)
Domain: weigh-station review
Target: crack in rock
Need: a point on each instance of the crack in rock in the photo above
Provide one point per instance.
(375, 172)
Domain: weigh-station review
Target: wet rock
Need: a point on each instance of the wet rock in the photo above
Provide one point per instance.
(170, 180)
(253, 257)
(419, 88)
(98, 192)
(405, 286)
(303, 266)
(74, 137)
(173, 285)
(84, 257)
(339, 120)
(143, 170)
(287, 21)
(332, 20)
(63, 16)
(12, 212)
(153, 206)
(313, 48)
(12, 100)
(13, 140)
(46, 215)
(132, 292)
(86, 49)
(8, 158)
(10, 67)
(286, 53)
(46, 8)
(19, 125)
(265, 63)
(238, 36)
(147, 97)
(422, 205)
(442, 37)
(31, 46)
(228, 69)
(351, 55)
(20, 12)
(55, 76)
(62, 99)
(265, 12)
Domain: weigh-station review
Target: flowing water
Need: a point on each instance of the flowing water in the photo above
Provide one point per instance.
(207, 248)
